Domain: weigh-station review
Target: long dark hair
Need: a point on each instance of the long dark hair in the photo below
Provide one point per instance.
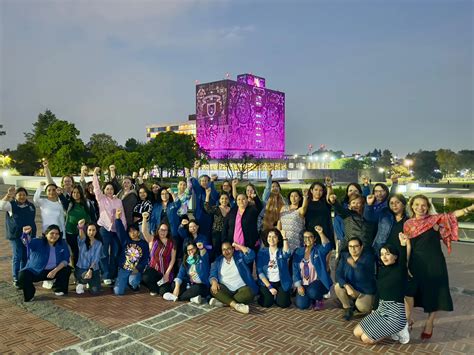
(164, 188)
(383, 186)
(82, 199)
(197, 255)
(88, 194)
(148, 192)
(300, 194)
(357, 186)
(96, 237)
(325, 190)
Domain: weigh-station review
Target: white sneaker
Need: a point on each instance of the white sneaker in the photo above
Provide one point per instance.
(214, 302)
(48, 284)
(242, 308)
(107, 282)
(395, 337)
(196, 300)
(153, 293)
(59, 293)
(327, 295)
(404, 335)
(168, 296)
(79, 289)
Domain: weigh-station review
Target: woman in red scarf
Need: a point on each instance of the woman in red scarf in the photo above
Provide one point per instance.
(429, 285)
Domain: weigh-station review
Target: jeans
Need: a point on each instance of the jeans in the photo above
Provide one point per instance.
(72, 242)
(108, 260)
(312, 292)
(18, 257)
(125, 277)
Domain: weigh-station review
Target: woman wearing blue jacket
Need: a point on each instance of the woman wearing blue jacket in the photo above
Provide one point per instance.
(310, 274)
(273, 271)
(231, 279)
(48, 259)
(192, 282)
(165, 210)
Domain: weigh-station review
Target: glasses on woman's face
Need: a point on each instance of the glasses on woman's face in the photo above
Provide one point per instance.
(190, 249)
(354, 246)
(163, 229)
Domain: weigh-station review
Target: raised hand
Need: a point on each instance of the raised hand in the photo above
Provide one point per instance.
(96, 170)
(208, 191)
(200, 245)
(27, 229)
(235, 182)
(318, 229)
(81, 223)
(145, 216)
(111, 168)
(332, 199)
(197, 164)
(328, 181)
(141, 171)
(118, 213)
(370, 199)
(403, 239)
(45, 163)
(84, 170)
(11, 191)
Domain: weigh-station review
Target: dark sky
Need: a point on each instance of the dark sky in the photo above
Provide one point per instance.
(358, 75)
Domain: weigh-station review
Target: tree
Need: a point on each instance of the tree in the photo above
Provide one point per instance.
(448, 161)
(240, 166)
(100, 146)
(466, 159)
(401, 170)
(172, 152)
(132, 145)
(62, 147)
(125, 162)
(425, 166)
(352, 164)
(25, 159)
(385, 161)
(45, 120)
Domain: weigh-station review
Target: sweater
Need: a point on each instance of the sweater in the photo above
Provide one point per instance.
(38, 253)
(107, 207)
(135, 253)
(361, 277)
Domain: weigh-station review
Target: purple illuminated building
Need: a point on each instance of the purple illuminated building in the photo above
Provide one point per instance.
(243, 116)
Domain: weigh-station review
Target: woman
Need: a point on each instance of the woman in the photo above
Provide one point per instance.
(52, 211)
(67, 183)
(185, 191)
(165, 211)
(355, 225)
(143, 205)
(250, 192)
(192, 282)
(129, 198)
(77, 209)
(189, 233)
(47, 260)
(20, 213)
(292, 218)
(219, 213)
(270, 215)
(108, 205)
(351, 189)
(155, 192)
(240, 225)
(389, 319)
(429, 287)
(319, 210)
(89, 193)
(90, 250)
(390, 221)
(159, 273)
(310, 275)
(226, 188)
(273, 271)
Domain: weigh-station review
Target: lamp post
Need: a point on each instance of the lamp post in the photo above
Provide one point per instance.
(408, 163)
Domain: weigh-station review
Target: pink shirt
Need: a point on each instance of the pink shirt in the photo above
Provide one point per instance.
(107, 207)
(238, 232)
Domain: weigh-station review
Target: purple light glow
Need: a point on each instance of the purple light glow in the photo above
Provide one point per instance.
(233, 118)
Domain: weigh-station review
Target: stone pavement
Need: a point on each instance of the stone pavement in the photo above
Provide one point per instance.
(139, 323)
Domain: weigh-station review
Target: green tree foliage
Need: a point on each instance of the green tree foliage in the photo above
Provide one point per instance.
(385, 160)
(125, 162)
(448, 161)
(172, 152)
(132, 145)
(25, 159)
(425, 165)
(63, 148)
(351, 164)
(466, 159)
(100, 146)
(45, 120)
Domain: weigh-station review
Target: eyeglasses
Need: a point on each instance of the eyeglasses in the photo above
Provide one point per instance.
(192, 249)
(163, 229)
(378, 191)
(354, 246)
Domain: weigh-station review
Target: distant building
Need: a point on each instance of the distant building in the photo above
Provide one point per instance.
(188, 127)
(240, 117)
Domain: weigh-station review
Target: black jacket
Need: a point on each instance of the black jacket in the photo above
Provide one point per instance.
(249, 226)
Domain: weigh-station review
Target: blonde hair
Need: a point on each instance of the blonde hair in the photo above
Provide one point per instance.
(411, 213)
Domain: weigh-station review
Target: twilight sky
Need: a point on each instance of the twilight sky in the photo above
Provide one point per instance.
(358, 75)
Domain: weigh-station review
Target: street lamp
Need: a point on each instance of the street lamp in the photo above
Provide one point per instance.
(408, 163)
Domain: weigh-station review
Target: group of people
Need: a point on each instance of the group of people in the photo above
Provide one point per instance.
(125, 234)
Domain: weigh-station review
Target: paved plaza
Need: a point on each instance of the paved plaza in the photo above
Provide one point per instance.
(139, 323)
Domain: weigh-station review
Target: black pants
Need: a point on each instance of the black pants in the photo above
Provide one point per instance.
(185, 294)
(282, 299)
(27, 278)
(72, 242)
(150, 277)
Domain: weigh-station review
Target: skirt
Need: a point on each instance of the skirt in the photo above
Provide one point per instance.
(389, 318)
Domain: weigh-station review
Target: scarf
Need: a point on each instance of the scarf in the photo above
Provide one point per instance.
(448, 227)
